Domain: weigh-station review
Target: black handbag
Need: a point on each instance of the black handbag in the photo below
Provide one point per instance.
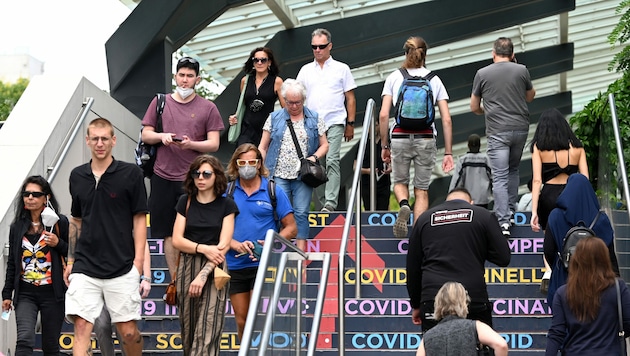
(482, 350)
(311, 173)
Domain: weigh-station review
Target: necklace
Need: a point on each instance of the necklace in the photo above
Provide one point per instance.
(34, 223)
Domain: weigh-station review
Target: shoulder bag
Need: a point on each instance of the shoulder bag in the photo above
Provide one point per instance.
(235, 130)
(482, 350)
(311, 173)
(170, 297)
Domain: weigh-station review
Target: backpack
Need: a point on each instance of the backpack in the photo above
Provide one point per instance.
(573, 236)
(271, 190)
(414, 108)
(144, 153)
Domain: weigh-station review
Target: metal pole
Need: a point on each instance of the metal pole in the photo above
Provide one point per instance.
(622, 165)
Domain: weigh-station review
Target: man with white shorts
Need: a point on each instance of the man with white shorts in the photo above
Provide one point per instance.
(106, 254)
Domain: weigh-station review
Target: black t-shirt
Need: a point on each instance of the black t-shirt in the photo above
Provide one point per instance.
(451, 242)
(106, 248)
(205, 221)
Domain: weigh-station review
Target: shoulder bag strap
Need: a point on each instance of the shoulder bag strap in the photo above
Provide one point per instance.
(622, 333)
(295, 141)
(161, 102)
(63, 260)
(179, 255)
(595, 220)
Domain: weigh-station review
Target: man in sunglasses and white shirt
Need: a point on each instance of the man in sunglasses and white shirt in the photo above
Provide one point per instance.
(191, 126)
(330, 92)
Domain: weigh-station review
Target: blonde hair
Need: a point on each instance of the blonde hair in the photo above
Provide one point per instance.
(451, 299)
(415, 52)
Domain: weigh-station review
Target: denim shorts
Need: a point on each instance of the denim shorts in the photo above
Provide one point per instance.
(419, 150)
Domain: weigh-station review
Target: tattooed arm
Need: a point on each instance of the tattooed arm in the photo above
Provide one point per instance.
(200, 281)
(74, 232)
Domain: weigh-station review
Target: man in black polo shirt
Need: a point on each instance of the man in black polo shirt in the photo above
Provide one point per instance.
(451, 242)
(105, 256)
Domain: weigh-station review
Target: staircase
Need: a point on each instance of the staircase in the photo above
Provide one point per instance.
(380, 320)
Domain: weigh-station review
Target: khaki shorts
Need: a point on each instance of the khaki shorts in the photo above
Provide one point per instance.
(86, 295)
(417, 150)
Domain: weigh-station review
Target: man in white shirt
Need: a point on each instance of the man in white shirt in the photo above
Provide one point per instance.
(330, 92)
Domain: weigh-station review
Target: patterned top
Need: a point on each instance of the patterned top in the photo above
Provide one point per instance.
(288, 166)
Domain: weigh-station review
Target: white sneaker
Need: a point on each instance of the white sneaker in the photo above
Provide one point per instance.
(402, 221)
(505, 228)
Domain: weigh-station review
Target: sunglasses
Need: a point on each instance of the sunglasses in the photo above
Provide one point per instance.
(187, 60)
(27, 194)
(260, 60)
(246, 162)
(196, 174)
(320, 46)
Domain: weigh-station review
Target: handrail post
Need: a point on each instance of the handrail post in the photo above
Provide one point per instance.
(622, 165)
(369, 113)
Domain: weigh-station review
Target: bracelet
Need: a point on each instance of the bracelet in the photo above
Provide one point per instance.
(69, 263)
(314, 155)
(385, 147)
(196, 247)
(448, 154)
(144, 278)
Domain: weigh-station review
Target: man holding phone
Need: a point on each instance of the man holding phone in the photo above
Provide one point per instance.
(191, 125)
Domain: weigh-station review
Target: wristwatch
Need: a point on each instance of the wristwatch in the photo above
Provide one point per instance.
(350, 123)
(144, 278)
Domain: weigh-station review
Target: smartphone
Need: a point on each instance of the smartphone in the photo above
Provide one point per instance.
(177, 139)
(256, 251)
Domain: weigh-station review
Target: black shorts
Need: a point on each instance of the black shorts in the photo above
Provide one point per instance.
(547, 202)
(164, 196)
(242, 280)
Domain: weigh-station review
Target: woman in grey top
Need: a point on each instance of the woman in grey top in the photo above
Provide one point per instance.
(455, 335)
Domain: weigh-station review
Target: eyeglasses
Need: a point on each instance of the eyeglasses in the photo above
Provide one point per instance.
(260, 60)
(187, 59)
(27, 194)
(314, 47)
(293, 103)
(197, 174)
(246, 162)
(97, 138)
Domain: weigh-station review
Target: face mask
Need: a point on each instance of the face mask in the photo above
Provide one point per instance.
(247, 172)
(49, 217)
(184, 92)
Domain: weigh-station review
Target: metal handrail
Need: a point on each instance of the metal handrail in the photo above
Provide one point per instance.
(353, 203)
(53, 168)
(619, 145)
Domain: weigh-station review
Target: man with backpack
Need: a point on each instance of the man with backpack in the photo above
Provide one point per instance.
(505, 88)
(190, 125)
(415, 91)
(576, 205)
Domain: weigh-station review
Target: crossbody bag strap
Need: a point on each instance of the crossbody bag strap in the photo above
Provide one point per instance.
(595, 220)
(179, 255)
(295, 141)
(622, 333)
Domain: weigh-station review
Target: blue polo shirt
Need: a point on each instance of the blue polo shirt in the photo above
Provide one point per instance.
(255, 218)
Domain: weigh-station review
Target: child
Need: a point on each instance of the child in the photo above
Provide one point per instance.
(473, 173)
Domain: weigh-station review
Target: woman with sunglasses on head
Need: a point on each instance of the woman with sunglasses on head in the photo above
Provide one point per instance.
(261, 93)
(251, 190)
(202, 233)
(34, 280)
(281, 157)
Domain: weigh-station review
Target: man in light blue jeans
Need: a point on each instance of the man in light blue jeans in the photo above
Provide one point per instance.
(504, 152)
(506, 88)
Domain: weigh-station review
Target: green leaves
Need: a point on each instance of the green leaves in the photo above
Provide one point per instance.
(9, 96)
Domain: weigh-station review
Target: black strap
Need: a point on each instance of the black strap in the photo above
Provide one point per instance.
(271, 191)
(622, 334)
(595, 220)
(470, 164)
(295, 141)
(161, 102)
(406, 74)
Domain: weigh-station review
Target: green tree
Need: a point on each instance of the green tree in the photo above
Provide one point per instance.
(593, 123)
(9, 96)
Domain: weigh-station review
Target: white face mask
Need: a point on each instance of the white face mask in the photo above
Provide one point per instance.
(184, 92)
(247, 172)
(49, 217)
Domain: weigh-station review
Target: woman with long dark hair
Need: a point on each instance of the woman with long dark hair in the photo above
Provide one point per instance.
(202, 233)
(556, 154)
(34, 280)
(261, 93)
(585, 309)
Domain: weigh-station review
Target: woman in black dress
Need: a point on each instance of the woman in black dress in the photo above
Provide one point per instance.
(261, 93)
